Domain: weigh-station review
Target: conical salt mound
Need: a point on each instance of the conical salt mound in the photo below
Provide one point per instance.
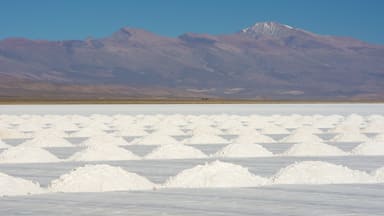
(345, 128)
(3, 144)
(100, 178)
(88, 132)
(170, 131)
(6, 133)
(243, 150)
(379, 137)
(50, 132)
(103, 153)
(319, 172)
(314, 149)
(154, 139)
(274, 129)
(21, 154)
(215, 174)
(131, 131)
(104, 139)
(374, 127)
(379, 175)
(13, 186)
(206, 130)
(350, 137)
(308, 129)
(369, 148)
(203, 138)
(47, 141)
(175, 152)
(301, 136)
(253, 139)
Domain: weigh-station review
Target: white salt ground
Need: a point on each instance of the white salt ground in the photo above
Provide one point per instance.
(103, 153)
(369, 148)
(22, 154)
(175, 152)
(314, 149)
(13, 186)
(215, 174)
(318, 172)
(243, 150)
(100, 178)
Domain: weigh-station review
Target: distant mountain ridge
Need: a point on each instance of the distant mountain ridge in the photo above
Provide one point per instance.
(265, 61)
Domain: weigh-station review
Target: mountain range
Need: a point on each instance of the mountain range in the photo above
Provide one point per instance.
(266, 61)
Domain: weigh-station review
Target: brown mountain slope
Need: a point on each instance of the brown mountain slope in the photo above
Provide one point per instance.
(267, 60)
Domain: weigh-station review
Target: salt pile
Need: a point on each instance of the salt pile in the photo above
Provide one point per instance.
(203, 138)
(243, 150)
(327, 122)
(369, 148)
(379, 175)
(175, 152)
(345, 128)
(205, 130)
(103, 153)
(3, 144)
(379, 137)
(104, 139)
(154, 139)
(353, 136)
(100, 178)
(374, 127)
(318, 172)
(131, 131)
(253, 138)
(21, 154)
(6, 133)
(50, 132)
(274, 129)
(88, 132)
(170, 131)
(13, 186)
(47, 141)
(314, 149)
(308, 129)
(301, 136)
(215, 174)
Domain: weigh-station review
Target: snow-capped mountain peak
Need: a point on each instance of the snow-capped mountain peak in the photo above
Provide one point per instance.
(268, 29)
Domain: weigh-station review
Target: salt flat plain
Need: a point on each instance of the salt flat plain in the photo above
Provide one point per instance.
(280, 159)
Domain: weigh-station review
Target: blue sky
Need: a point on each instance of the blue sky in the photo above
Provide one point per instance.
(77, 19)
